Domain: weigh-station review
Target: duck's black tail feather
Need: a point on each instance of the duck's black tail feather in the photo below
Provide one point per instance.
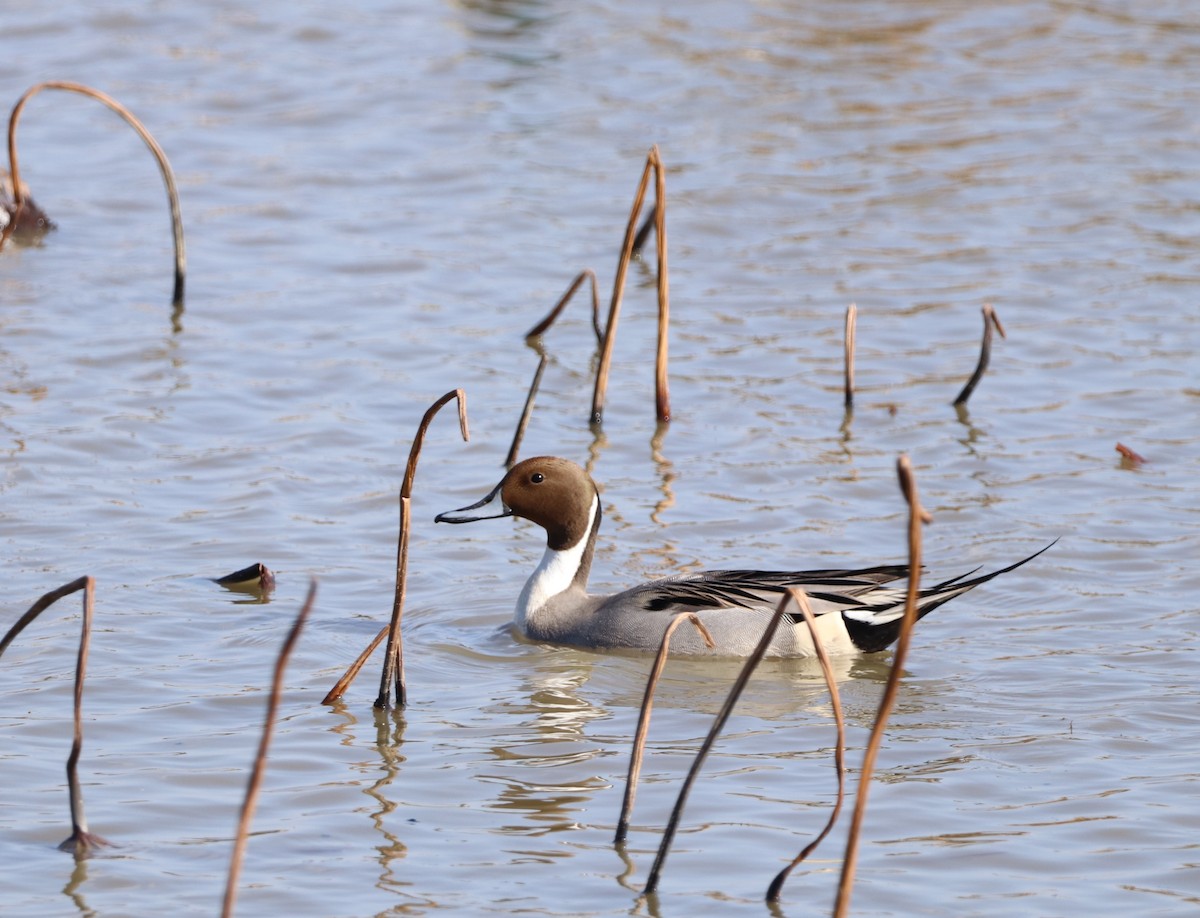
(875, 625)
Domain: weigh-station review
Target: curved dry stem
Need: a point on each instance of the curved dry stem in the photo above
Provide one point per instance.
(552, 316)
(990, 319)
(643, 727)
(339, 687)
(735, 693)
(523, 424)
(130, 119)
(42, 604)
(81, 841)
(851, 330)
(260, 759)
(639, 241)
(775, 890)
(916, 515)
(393, 663)
(662, 394)
(393, 668)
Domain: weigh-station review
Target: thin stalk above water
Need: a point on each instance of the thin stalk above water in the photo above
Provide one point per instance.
(19, 195)
(662, 397)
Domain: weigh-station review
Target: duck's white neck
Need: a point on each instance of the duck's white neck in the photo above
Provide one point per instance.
(556, 573)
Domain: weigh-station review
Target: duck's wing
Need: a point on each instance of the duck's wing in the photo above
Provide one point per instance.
(872, 612)
(828, 589)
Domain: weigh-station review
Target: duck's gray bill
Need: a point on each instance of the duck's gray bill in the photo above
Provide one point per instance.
(449, 515)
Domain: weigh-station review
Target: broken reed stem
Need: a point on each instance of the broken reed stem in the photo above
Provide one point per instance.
(339, 688)
(735, 693)
(519, 434)
(662, 395)
(851, 327)
(393, 661)
(639, 241)
(775, 890)
(552, 316)
(260, 759)
(42, 604)
(643, 727)
(916, 516)
(393, 666)
(130, 119)
(990, 319)
(81, 840)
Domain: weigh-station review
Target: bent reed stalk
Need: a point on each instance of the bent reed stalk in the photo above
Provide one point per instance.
(662, 397)
(130, 119)
(393, 666)
(81, 841)
(260, 759)
(643, 725)
(775, 890)
(990, 319)
(916, 516)
(735, 693)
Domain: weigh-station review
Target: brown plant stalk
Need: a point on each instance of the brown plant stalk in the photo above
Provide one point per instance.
(260, 759)
(775, 890)
(916, 516)
(643, 726)
(848, 381)
(523, 423)
(81, 841)
(662, 397)
(393, 667)
(552, 316)
(990, 320)
(159, 156)
(735, 693)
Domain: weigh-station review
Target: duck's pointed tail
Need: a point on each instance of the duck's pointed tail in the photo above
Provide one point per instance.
(875, 624)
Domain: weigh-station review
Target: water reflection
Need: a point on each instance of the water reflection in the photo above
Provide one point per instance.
(73, 889)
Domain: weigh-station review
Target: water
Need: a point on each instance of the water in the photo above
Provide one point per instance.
(379, 202)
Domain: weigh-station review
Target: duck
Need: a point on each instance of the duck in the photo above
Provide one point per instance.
(856, 611)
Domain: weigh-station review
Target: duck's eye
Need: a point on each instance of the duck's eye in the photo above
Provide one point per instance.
(537, 478)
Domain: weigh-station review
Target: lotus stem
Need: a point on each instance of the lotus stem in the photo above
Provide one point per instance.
(990, 319)
(643, 727)
(393, 662)
(159, 156)
(775, 890)
(662, 394)
(735, 693)
(851, 323)
(552, 316)
(260, 759)
(519, 434)
(916, 516)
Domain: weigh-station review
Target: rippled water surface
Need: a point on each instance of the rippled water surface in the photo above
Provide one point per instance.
(379, 202)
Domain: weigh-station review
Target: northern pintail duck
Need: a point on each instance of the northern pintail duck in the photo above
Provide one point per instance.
(855, 613)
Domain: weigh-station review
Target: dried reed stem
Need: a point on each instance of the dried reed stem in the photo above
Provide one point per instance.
(552, 316)
(519, 434)
(260, 759)
(132, 121)
(990, 319)
(735, 693)
(662, 396)
(81, 840)
(851, 327)
(916, 516)
(775, 890)
(393, 662)
(643, 727)
(639, 241)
